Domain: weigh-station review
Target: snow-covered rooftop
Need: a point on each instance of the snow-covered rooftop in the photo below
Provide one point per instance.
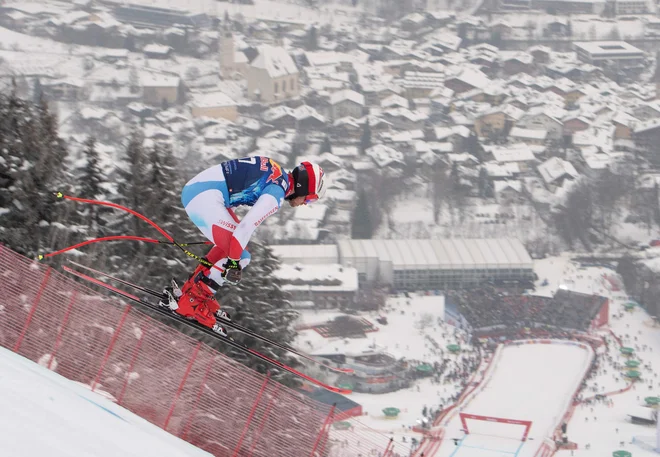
(555, 168)
(275, 60)
(212, 99)
(458, 254)
(346, 94)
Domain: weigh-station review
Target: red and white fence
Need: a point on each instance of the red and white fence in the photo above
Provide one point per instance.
(170, 379)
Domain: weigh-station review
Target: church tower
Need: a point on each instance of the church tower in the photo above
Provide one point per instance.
(226, 46)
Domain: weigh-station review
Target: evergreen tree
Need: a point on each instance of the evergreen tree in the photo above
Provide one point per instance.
(35, 167)
(485, 186)
(134, 80)
(132, 186)
(91, 179)
(363, 225)
(627, 269)
(614, 34)
(90, 187)
(37, 91)
(473, 146)
(365, 139)
(13, 117)
(163, 206)
(455, 177)
(10, 151)
(312, 39)
(129, 43)
(259, 303)
(326, 146)
(496, 39)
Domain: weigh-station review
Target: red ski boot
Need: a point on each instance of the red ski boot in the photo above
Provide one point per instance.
(196, 300)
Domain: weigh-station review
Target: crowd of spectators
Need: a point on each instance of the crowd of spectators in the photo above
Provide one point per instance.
(491, 307)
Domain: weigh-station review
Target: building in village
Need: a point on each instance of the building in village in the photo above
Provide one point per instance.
(272, 76)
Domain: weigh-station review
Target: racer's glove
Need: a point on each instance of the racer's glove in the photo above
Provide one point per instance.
(232, 273)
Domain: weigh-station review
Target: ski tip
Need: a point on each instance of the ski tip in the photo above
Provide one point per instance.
(339, 390)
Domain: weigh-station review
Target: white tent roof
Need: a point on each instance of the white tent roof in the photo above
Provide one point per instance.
(458, 254)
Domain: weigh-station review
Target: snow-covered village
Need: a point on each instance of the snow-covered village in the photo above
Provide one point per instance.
(341, 228)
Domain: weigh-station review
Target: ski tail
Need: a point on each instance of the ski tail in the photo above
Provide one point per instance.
(226, 322)
(228, 340)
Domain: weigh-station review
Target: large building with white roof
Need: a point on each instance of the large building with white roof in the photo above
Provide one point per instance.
(421, 264)
(599, 52)
(437, 264)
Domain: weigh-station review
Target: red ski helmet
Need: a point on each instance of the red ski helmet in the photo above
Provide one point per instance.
(308, 181)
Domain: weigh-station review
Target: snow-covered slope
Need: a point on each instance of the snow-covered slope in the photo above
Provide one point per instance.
(44, 414)
(532, 382)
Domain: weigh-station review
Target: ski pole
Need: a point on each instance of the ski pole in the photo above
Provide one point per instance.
(117, 238)
(192, 255)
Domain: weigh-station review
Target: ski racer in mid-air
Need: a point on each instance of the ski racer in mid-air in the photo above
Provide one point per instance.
(208, 198)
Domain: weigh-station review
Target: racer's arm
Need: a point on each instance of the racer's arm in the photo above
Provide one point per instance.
(266, 205)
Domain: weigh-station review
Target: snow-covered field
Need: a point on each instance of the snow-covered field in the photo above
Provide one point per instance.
(414, 218)
(411, 322)
(530, 382)
(44, 414)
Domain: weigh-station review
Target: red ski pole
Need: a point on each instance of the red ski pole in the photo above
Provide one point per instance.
(199, 259)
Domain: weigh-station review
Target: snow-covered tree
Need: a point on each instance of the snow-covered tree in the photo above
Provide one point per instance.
(91, 178)
(33, 167)
(365, 139)
(363, 225)
(132, 183)
(326, 146)
(259, 303)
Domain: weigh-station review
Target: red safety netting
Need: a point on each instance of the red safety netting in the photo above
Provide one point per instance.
(170, 379)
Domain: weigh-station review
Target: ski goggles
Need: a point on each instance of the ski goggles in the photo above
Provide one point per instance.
(311, 198)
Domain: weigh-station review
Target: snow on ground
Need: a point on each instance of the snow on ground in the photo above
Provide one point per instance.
(412, 217)
(532, 382)
(69, 419)
(22, 44)
(604, 427)
(410, 321)
(411, 402)
(529, 382)
(562, 272)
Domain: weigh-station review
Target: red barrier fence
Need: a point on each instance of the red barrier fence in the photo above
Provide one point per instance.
(170, 379)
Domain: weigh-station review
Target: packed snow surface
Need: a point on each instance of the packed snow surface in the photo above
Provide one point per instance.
(531, 382)
(44, 414)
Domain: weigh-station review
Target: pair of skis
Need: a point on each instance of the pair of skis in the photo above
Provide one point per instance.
(226, 339)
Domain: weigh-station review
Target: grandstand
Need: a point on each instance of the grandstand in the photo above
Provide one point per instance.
(491, 311)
